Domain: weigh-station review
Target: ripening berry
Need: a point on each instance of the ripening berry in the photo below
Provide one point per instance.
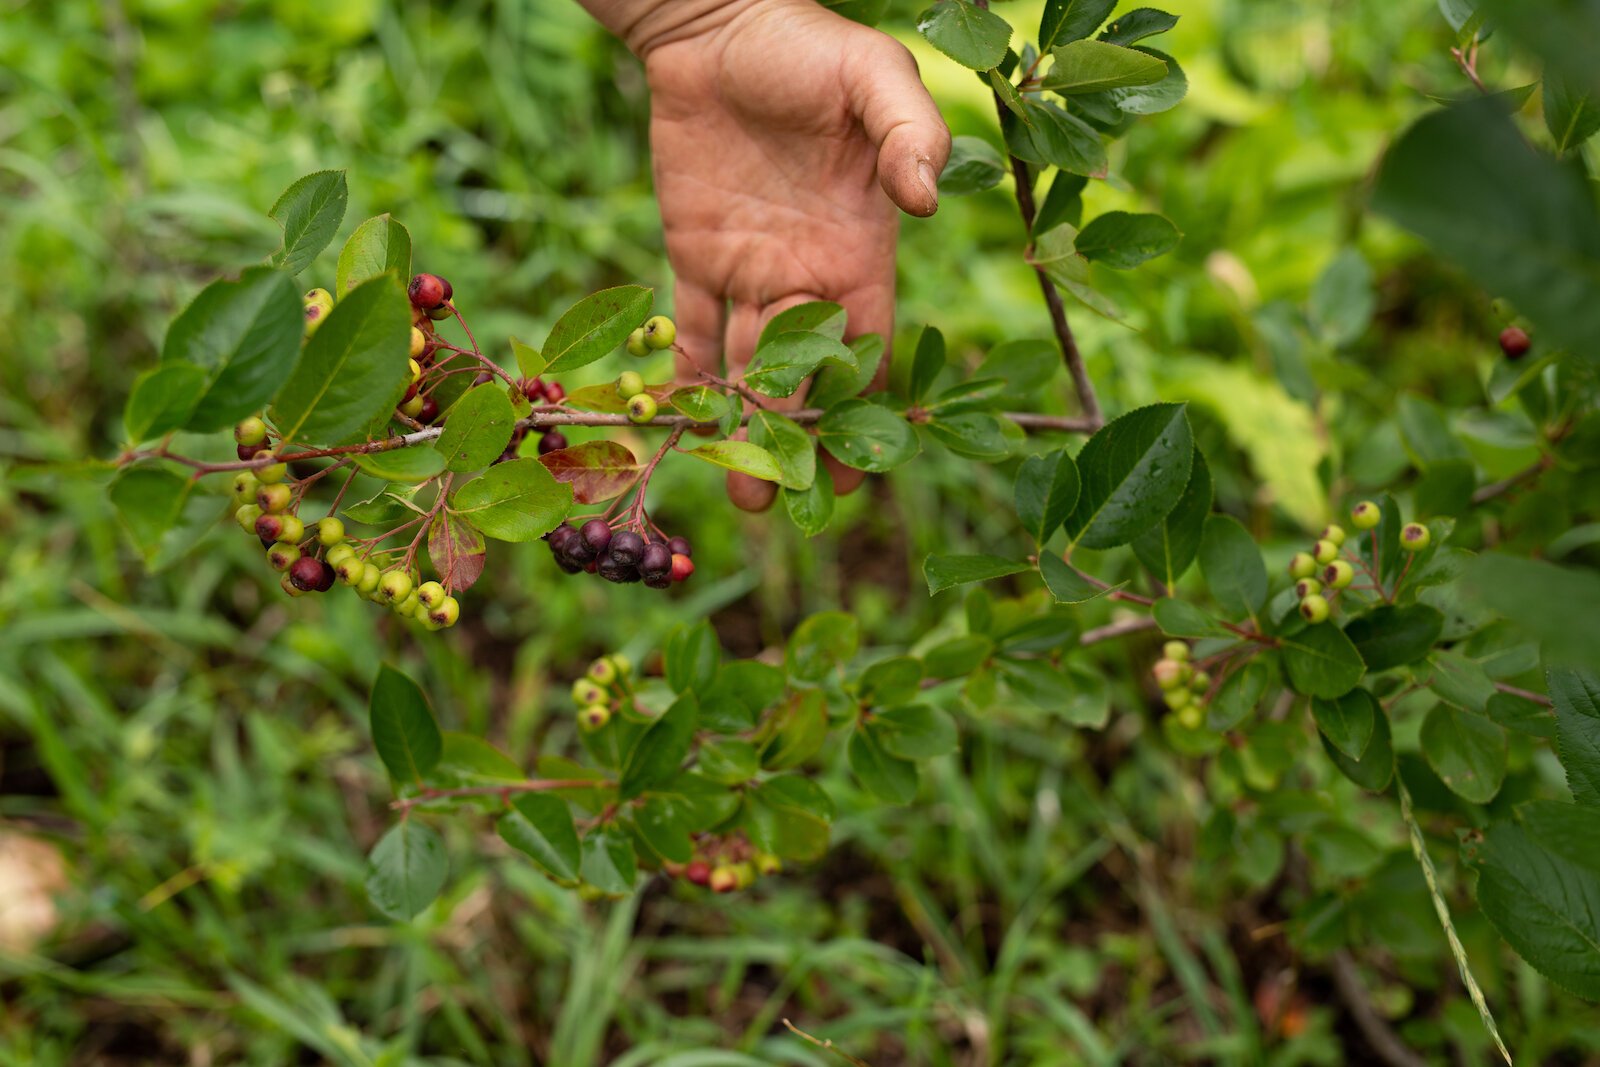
(429, 412)
(1338, 574)
(428, 291)
(586, 691)
(268, 527)
(680, 547)
(446, 612)
(637, 345)
(395, 586)
(246, 517)
(419, 345)
(1414, 537)
(289, 587)
(274, 498)
(307, 573)
(318, 302)
(602, 671)
(555, 392)
(330, 531)
(641, 408)
(280, 557)
(245, 485)
(1178, 650)
(291, 531)
(248, 452)
(1306, 586)
(272, 472)
(350, 570)
(1314, 609)
(444, 311)
(1168, 673)
(1365, 515)
(630, 383)
(1333, 533)
(251, 431)
(659, 332)
(1302, 565)
(768, 864)
(682, 567)
(1325, 552)
(431, 594)
(1514, 342)
(594, 716)
(412, 408)
(724, 879)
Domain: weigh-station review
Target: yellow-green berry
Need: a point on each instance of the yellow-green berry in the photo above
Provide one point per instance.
(371, 578)
(1190, 717)
(330, 531)
(1333, 533)
(642, 408)
(1414, 537)
(350, 570)
(251, 431)
(246, 517)
(446, 612)
(288, 586)
(603, 671)
(1177, 698)
(338, 553)
(272, 472)
(280, 557)
(430, 593)
(1178, 650)
(1338, 574)
(291, 531)
(637, 345)
(1302, 565)
(623, 664)
(419, 345)
(1307, 586)
(1325, 552)
(1314, 608)
(407, 607)
(274, 498)
(1200, 682)
(1365, 515)
(768, 864)
(413, 407)
(1168, 673)
(395, 586)
(594, 716)
(318, 302)
(244, 487)
(659, 332)
(585, 691)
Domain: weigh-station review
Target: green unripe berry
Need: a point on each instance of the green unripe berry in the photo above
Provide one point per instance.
(407, 607)
(585, 692)
(330, 531)
(272, 472)
(659, 332)
(280, 557)
(446, 612)
(273, 499)
(641, 408)
(339, 553)
(1200, 682)
(395, 586)
(623, 664)
(594, 716)
(251, 431)
(1190, 717)
(603, 671)
(746, 873)
(1178, 650)
(371, 578)
(291, 530)
(1314, 609)
(318, 302)
(1365, 515)
(1325, 552)
(244, 487)
(430, 593)
(1307, 586)
(1414, 537)
(350, 570)
(1302, 565)
(1178, 698)
(246, 517)
(413, 407)
(1333, 533)
(767, 864)
(1338, 574)
(630, 383)
(637, 345)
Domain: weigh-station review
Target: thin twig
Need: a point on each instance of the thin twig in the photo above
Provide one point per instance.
(1525, 694)
(1505, 485)
(1112, 631)
(829, 1045)
(533, 785)
(1382, 1040)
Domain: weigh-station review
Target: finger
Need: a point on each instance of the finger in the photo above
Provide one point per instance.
(745, 324)
(700, 316)
(902, 120)
(747, 493)
(846, 480)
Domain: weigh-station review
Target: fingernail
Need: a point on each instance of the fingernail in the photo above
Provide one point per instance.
(930, 181)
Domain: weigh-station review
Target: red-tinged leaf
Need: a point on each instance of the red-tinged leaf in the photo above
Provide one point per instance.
(457, 551)
(596, 470)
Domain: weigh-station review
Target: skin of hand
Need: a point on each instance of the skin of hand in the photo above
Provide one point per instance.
(784, 138)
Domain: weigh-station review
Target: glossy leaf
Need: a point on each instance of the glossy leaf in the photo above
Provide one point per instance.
(1071, 20)
(1576, 695)
(884, 776)
(974, 165)
(1348, 722)
(1232, 566)
(813, 316)
(1046, 492)
(789, 815)
(1389, 636)
(378, 245)
(1179, 618)
(1466, 751)
(834, 382)
(788, 443)
(783, 363)
(1091, 66)
(741, 456)
(1133, 470)
(945, 572)
(972, 36)
(608, 862)
(1136, 25)
(309, 211)
(409, 466)
(518, 500)
(811, 509)
(1375, 768)
(149, 501)
(866, 436)
(1157, 97)
(1123, 240)
(1321, 661)
(1169, 547)
(161, 400)
(403, 728)
(541, 826)
(596, 470)
(660, 751)
(1067, 585)
(245, 335)
(595, 327)
(477, 429)
(1051, 136)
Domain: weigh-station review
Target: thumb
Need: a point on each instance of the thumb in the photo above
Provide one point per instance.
(902, 120)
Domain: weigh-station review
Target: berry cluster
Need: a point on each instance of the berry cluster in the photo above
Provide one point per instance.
(657, 333)
(621, 554)
(642, 407)
(1184, 687)
(1327, 568)
(602, 689)
(724, 864)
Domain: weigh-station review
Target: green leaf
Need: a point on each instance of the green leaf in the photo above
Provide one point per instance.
(789, 444)
(970, 35)
(821, 644)
(1046, 492)
(1009, 95)
(403, 728)
(1240, 692)
(789, 816)
(867, 437)
(1321, 662)
(378, 246)
(352, 370)
(595, 326)
(1138, 24)
(1179, 618)
(1553, 603)
(596, 470)
(1163, 95)
(926, 364)
(530, 361)
(741, 456)
(1576, 695)
(974, 165)
(1374, 770)
(1524, 716)
(945, 572)
(1066, 585)
(782, 364)
(1389, 636)
(517, 500)
(663, 825)
(659, 753)
(957, 657)
(811, 509)
(406, 870)
(1169, 547)
(701, 402)
(477, 429)
(915, 732)
(896, 680)
(608, 862)
(1539, 884)
(799, 728)
(149, 501)
(1123, 240)
(456, 550)
(814, 316)
(835, 381)
(1071, 20)
(410, 465)
(541, 826)
(1466, 751)
(727, 759)
(692, 655)
(1232, 566)
(1571, 112)
(1535, 238)
(1133, 470)
(1051, 136)
(1055, 252)
(974, 434)
(1087, 66)
(1459, 680)
(470, 760)
(161, 400)
(1343, 299)
(1063, 204)
(884, 776)
(309, 211)
(245, 335)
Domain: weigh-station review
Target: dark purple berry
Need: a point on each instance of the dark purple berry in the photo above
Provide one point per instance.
(627, 547)
(680, 546)
(250, 451)
(614, 570)
(578, 550)
(597, 532)
(656, 561)
(659, 581)
(553, 441)
(429, 412)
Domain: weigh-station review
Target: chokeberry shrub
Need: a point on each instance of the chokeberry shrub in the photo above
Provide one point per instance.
(1427, 645)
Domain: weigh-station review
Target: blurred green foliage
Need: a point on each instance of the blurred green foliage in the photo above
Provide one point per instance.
(197, 748)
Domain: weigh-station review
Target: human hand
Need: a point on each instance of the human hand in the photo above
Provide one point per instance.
(784, 138)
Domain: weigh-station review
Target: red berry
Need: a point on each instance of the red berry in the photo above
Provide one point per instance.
(429, 412)
(682, 566)
(555, 393)
(250, 451)
(552, 441)
(532, 388)
(411, 391)
(306, 573)
(268, 527)
(1514, 342)
(697, 871)
(428, 290)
